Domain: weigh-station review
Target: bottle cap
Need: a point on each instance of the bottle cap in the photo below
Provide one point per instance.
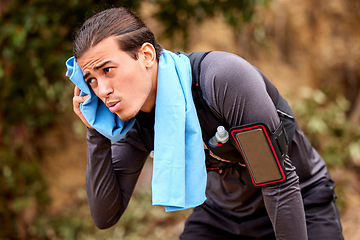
(222, 135)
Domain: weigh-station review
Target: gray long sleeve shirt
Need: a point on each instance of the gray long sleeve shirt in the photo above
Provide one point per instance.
(237, 92)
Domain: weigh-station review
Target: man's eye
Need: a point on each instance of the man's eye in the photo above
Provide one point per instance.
(108, 69)
(90, 80)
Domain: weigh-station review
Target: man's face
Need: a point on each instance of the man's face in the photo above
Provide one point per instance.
(124, 84)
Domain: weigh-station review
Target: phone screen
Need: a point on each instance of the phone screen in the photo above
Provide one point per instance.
(255, 148)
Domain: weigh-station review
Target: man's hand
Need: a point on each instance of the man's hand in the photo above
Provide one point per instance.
(76, 105)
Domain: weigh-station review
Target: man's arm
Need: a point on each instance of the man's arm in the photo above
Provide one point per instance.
(111, 175)
(233, 88)
(285, 206)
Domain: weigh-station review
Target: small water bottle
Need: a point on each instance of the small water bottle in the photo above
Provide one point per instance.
(221, 137)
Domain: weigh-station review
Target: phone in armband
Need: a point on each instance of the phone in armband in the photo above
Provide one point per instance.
(263, 152)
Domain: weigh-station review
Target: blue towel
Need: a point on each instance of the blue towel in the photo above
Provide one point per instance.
(94, 110)
(179, 172)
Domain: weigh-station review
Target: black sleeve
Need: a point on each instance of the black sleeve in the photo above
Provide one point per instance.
(111, 174)
(236, 90)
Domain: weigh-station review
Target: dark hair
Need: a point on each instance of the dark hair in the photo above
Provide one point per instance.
(119, 22)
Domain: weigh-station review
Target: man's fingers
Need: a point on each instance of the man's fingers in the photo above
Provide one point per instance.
(79, 99)
(76, 91)
(85, 97)
(76, 105)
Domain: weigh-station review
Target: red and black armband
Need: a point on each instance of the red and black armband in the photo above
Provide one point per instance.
(263, 152)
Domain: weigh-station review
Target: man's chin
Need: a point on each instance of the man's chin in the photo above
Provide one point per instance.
(125, 117)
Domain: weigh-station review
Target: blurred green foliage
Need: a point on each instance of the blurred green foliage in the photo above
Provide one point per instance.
(35, 40)
(323, 116)
(178, 16)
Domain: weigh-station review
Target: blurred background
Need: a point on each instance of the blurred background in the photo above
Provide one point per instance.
(310, 49)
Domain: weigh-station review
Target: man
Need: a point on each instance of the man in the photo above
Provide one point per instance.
(138, 82)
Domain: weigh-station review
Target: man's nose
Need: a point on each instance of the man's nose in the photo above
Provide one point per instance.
(105, 88)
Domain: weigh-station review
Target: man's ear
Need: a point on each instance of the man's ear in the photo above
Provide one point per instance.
(148, 53)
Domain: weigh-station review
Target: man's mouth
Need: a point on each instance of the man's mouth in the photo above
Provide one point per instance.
(114, 106)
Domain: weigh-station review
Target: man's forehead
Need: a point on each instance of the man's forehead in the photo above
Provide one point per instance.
(104, 47)
(96, 55)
